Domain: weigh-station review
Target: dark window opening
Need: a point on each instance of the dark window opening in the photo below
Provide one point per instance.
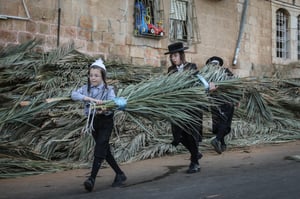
(183, 22)
(298, 36)
(282, 34)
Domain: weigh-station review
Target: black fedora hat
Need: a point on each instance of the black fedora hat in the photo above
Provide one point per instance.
(176, 47)
(215, 59)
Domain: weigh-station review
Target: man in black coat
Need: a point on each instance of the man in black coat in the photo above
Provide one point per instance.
(188, 137)
(221, 114)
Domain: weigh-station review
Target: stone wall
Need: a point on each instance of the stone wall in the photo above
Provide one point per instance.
(106, 28)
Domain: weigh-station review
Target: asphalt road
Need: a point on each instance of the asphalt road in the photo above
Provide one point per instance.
(260, 172)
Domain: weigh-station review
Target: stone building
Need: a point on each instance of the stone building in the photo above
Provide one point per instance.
(252, 36)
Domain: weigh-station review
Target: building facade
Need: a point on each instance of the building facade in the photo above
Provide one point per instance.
(252, 36)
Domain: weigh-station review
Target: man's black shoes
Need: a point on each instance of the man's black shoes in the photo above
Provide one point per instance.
(223, 147)
(217, 145)
(193, 168)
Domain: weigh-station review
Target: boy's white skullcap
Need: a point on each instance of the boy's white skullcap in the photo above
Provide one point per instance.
(99, 62)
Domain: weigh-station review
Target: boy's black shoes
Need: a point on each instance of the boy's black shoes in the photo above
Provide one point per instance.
(89, 184)
(119, 179)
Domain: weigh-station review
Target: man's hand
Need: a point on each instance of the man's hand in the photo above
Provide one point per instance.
(212, 86)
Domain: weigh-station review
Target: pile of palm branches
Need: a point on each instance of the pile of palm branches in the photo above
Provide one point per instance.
(35, 134)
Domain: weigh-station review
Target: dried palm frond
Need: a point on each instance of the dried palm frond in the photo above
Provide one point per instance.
(172, 98)
(22, 116)
(54, 129)
(234, 90)
(15, 53)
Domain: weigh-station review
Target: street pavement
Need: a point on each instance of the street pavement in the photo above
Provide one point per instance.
(258, 172)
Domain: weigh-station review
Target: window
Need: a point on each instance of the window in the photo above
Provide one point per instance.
(183, 21)
(298, 36)
(149, 18)
(282, 34)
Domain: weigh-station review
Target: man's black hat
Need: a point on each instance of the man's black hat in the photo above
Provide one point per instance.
(176, 47)
(215, 60)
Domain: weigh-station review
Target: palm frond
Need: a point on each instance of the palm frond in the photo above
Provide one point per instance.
(53, 130)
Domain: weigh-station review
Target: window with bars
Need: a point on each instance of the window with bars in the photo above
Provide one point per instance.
(183, 22)
(282, 34)
(149, 18)
(298, 36)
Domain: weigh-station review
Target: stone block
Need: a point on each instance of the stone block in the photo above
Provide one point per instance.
(92, 46)
(137, 51)
(152, 53)
(86, 22)
(19, 25)
(10, 8)
(101, 25)
(31, 26)
(48, 15)
(97, 36)
(152, 62)
(121, 50)
(8, 36)
(6, 25)
(69, 18)
(80, 44)
(24, 36)
(128, 40)
(68, 31)
(120, 39)
(65, 40)
(104, 48)
(138, 61)
(85, 35)
(119, 59)
(40, 37)
(108, 37)
(53, 29)
(114, 26)
(44, 28)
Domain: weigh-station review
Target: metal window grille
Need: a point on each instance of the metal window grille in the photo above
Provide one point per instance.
(183, 25)
(282, 35)
(149, 18)
(298, 36)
